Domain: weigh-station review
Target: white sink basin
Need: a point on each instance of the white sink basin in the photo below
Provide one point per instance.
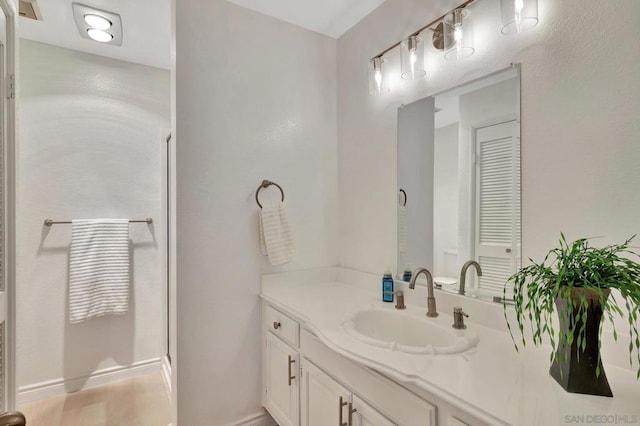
(400, 331)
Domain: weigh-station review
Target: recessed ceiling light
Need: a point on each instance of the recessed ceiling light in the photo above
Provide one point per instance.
(99, 35)
(98, 25)
(97, 21)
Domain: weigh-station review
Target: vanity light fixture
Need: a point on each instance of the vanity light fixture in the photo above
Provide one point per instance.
(518, 15)
(412, 58)
(98, 25)
(453, 34)
(377, 77)
(458, 35)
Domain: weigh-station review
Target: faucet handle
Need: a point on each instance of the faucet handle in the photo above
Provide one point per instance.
(458, 318)
(399, 298)
(458, 310)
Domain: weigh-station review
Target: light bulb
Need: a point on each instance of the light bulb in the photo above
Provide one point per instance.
(413, 59)
(518, 16)
(99, 35)
(457, 34)
(457, 31)
(97, 21)
(518, 7)
(378, 78)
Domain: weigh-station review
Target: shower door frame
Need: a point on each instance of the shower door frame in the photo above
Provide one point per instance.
(168, 214)
(9, 187)
(168, 241)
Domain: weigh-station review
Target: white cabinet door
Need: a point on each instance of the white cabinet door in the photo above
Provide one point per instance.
(364, 415)
(282, 381)
(324, 401)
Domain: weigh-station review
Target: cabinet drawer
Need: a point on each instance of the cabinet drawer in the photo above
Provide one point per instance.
(282, 326)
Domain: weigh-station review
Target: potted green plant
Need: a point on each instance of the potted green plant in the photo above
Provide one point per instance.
(577, 279)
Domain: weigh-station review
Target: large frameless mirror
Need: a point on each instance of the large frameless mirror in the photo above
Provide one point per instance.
(459, 184)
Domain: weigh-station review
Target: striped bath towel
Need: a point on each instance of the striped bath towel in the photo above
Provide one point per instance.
(276, 240)
(98, 268)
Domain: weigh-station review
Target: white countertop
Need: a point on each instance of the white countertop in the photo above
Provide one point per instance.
(492, 381)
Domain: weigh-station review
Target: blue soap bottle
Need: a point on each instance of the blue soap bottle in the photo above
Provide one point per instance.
(387, 286)
(406, 275)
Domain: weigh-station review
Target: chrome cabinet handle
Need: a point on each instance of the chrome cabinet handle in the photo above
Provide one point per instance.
(341, 404)
(351, 411)
(276, 325)
(291, 361)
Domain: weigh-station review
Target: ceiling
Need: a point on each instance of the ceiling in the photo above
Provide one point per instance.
(146, 29)
(147, 24)
(329, 17)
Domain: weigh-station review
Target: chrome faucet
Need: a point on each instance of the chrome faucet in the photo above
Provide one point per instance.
(463, 274)
(431, 300)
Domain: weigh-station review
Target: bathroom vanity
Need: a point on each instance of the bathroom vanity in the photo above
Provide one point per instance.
(317, 372)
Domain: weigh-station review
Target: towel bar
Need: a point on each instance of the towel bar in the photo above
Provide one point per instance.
(265, 184)
(49, 222)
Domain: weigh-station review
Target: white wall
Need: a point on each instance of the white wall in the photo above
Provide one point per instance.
(580, 129)
(90, 146)
(256, 99)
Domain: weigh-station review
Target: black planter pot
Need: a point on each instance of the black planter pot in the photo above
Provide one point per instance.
(574, 369)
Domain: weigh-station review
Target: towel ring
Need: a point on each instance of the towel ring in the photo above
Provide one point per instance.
(265, 184)
(402, 191)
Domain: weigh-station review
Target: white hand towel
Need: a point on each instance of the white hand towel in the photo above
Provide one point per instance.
(98, 268)
(263, 245)
(276, 240)
(403, 233)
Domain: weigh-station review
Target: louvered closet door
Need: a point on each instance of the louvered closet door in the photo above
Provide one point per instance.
(497, 230)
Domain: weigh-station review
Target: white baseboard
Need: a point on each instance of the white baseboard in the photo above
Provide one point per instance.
(105, 376)
(259, 419)
(166, 375)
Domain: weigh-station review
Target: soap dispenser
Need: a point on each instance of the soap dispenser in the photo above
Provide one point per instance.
(387, 286)
(406, 275)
